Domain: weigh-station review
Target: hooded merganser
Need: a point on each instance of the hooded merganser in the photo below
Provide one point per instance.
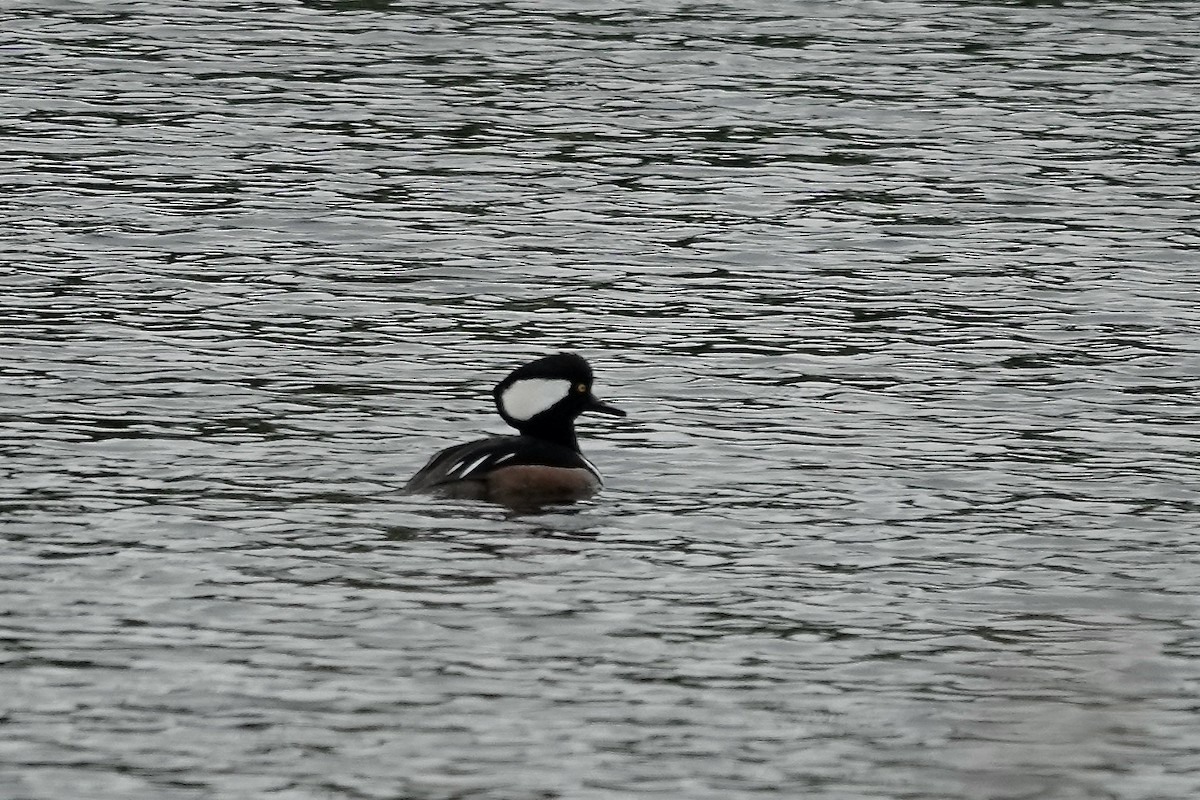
(542, 465)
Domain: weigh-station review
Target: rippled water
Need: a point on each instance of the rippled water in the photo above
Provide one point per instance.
(901, 298)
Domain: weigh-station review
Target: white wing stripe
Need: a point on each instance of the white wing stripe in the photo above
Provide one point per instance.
(465, 471)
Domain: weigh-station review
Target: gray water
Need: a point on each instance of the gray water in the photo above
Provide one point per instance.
(901, 298)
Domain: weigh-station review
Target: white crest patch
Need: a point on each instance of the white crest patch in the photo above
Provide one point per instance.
(527, 398)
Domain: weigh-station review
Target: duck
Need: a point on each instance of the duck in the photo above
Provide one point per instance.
(543, 464)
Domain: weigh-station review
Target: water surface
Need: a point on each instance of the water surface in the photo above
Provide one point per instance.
(900, 298)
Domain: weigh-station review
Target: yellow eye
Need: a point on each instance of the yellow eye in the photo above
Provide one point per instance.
(581, 387)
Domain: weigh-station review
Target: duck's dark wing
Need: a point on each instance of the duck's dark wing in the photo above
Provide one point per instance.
(474, 460)
(463, 462)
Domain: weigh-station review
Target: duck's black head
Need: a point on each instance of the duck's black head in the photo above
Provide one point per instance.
(543, 398)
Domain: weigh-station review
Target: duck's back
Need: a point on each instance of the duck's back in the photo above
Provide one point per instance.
(504, 468)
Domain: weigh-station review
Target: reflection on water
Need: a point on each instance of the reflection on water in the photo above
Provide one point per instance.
(900, 299)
